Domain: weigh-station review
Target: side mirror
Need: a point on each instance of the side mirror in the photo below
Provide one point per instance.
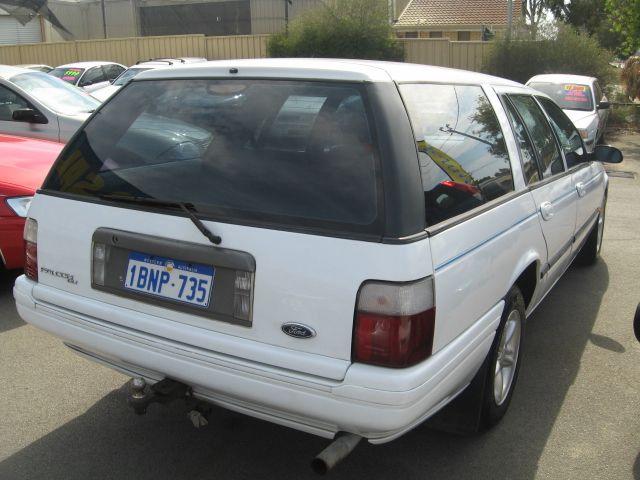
(28, 115)
(607, 154)
(604, 105)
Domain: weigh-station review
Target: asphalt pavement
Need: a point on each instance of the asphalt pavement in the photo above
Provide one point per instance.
(575, 413)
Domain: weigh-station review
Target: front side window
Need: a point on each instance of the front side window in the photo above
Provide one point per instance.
(541, 134)
(54, 94)
(569, 96)
(283, 153)
(567, 133)
(9, 102)
(69, 75)
(463, 157)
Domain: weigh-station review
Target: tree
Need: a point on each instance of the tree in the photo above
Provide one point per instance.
(625, 17)
(340, 29)
(532, 11)
(568, 52)
(589, 16)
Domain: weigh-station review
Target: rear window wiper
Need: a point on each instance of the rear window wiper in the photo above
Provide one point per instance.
(187, 208)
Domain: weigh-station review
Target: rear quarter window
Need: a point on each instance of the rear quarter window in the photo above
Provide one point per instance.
(464, 161)
(267, 152)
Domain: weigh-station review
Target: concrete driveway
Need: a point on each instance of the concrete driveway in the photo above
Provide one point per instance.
(575, 412)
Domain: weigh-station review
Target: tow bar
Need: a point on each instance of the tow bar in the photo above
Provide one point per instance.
(165, 391)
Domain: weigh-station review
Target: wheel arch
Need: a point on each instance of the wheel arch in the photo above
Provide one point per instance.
(527, 276)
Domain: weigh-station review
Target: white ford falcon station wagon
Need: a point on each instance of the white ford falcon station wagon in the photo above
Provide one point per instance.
(338, 246)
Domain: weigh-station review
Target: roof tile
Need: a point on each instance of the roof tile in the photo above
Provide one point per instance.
(428, 13)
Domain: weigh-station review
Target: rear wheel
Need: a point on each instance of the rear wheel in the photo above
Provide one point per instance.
(503, 361)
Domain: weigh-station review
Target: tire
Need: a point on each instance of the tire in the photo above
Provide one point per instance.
(590, 251)
(503, 361)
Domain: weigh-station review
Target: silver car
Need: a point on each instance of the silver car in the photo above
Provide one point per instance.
(34, 104)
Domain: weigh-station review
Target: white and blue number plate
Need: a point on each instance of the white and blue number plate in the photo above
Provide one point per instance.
(171, 279)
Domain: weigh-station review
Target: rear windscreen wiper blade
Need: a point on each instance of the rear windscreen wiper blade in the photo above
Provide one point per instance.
(187, 208)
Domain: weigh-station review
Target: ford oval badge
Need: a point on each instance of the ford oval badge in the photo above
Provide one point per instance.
(298, 330)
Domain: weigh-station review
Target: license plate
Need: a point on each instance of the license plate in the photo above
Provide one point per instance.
(171, 279)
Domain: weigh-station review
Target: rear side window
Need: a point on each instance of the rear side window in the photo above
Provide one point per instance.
(541, 134)
(527, 153)
(463, 157)
(283, 153)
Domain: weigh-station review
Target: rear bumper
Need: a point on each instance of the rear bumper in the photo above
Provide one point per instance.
(378, 403)
(11, 243)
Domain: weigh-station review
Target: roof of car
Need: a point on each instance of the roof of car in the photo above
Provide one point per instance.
(86, 64)
(325, 69)
(561, 78)
(8, 71)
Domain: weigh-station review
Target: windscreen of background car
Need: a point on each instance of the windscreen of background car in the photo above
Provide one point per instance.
(463, 156)
(283, 153)
(69, 75)
(55, 94)
(127, 75)
(569, 96)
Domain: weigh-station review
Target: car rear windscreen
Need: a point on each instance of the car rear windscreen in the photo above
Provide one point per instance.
(284, 153)
(569, 96)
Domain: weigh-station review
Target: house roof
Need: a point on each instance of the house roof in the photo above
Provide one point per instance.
(433, 13)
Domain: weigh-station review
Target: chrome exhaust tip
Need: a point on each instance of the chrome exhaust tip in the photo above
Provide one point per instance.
(337, 451)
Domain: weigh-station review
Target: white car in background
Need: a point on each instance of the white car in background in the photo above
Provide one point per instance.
(35, 104)
(89, 76)
(582, 100)
(106, 91)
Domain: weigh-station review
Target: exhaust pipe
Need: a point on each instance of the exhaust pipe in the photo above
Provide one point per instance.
(342, 446)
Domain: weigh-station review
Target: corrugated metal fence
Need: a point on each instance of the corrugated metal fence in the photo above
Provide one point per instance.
(465, 55)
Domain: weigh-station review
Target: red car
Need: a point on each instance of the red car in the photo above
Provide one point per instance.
(24, 162)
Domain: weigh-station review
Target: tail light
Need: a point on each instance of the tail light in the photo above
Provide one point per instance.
(394, 323)
(31, 249)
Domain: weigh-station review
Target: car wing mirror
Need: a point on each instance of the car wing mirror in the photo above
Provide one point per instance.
(28, 115)
(604, 105)
(607, 154)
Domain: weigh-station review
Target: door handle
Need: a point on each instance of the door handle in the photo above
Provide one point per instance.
(546, 210)
(582, 190)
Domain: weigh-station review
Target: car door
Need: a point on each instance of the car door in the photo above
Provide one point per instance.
(554, 194)
(10, 101)
(587, 176)
(93, 79)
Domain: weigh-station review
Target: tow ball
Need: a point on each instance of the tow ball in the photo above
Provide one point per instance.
(140, 396)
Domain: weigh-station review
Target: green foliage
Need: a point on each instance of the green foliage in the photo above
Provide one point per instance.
(569, 52)
(631, 77)
(625, 18)
(340, 29)
(589, 16)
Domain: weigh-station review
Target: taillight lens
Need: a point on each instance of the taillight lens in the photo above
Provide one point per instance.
(394, 323)
(31, 249)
